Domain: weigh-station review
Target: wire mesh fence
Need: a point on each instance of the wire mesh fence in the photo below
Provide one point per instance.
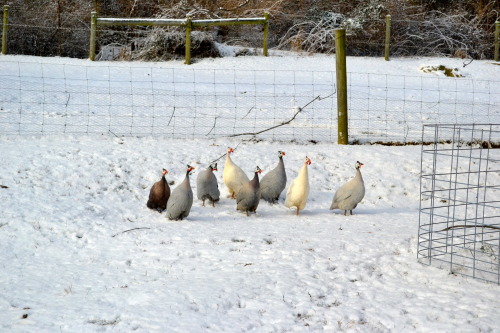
(459, 225)
(152, 100)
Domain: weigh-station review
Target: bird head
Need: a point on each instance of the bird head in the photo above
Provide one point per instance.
(213, 167)
(230, 150)
(308, 161)
(189, 168)
(281, 153)
(258, 170)
(164, 172)
(359, 165)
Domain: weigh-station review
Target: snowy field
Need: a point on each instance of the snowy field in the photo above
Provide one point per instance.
(70, 261)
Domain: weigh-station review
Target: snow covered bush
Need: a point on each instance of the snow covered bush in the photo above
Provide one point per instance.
(162, 44)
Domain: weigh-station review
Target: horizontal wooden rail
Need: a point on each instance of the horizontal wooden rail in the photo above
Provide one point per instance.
(141, 21)
(178, 22)
(229, 21)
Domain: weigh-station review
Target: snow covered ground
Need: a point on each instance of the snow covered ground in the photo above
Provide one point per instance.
(70, 261)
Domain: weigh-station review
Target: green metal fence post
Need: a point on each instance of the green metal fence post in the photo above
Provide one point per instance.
(387, 35)
(4, 31)
(341, 69)
(93, 27)
(266, 31)
(187, 55)
(497, 39)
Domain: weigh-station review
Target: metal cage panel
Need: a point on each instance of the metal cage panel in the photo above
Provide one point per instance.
(459, 223)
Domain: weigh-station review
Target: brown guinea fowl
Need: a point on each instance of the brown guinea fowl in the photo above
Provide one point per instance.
(159, 193)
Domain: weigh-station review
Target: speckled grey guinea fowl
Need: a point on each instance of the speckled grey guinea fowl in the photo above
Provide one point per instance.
(206, 185)
(248, 196)
(180, 201)
(274, 182)
(351, 193)
(159, 193)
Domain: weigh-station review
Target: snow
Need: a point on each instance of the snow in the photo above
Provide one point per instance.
(81, 252)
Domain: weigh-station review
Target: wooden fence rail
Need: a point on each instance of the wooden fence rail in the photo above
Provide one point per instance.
(187, 23)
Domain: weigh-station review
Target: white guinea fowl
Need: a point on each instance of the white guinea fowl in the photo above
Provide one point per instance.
(351, 193)
(298, 191)
(274, 182)
(181, 200)
(233, 176)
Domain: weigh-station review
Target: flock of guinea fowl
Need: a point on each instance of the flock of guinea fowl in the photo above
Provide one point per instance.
(248, 193)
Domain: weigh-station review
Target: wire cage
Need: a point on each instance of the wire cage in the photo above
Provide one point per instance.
(459, 222)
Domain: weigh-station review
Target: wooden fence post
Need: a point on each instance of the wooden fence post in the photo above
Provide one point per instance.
(187, 55)
(387, 35)
(266, 31)
(93, 28)
(4, 31)
(341, 69)
(497, 39)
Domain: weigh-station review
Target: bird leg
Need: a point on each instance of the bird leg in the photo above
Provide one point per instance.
(213, 203)
(203, 202)
(345, 212)
(232, 195)
(247, 213)
(297, 213)
(351, 212)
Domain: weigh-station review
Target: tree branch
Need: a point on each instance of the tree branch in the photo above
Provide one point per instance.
(299, 110)
(122, 232)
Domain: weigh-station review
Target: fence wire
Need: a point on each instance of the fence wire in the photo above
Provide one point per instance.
(147, 100)
(459, 225)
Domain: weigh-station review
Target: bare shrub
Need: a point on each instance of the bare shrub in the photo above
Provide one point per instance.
(163, 44)
(441, 35)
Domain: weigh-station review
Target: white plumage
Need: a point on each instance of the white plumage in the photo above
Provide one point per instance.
(298, 191)
(233, 176)
(351, 193)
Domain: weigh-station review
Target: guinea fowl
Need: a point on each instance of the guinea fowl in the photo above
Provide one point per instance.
(248, 196)
(233, 176)
(351, 193)
(274, 182)
(206, 185)
(297, 193)
(159, 193)
(181, 199)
